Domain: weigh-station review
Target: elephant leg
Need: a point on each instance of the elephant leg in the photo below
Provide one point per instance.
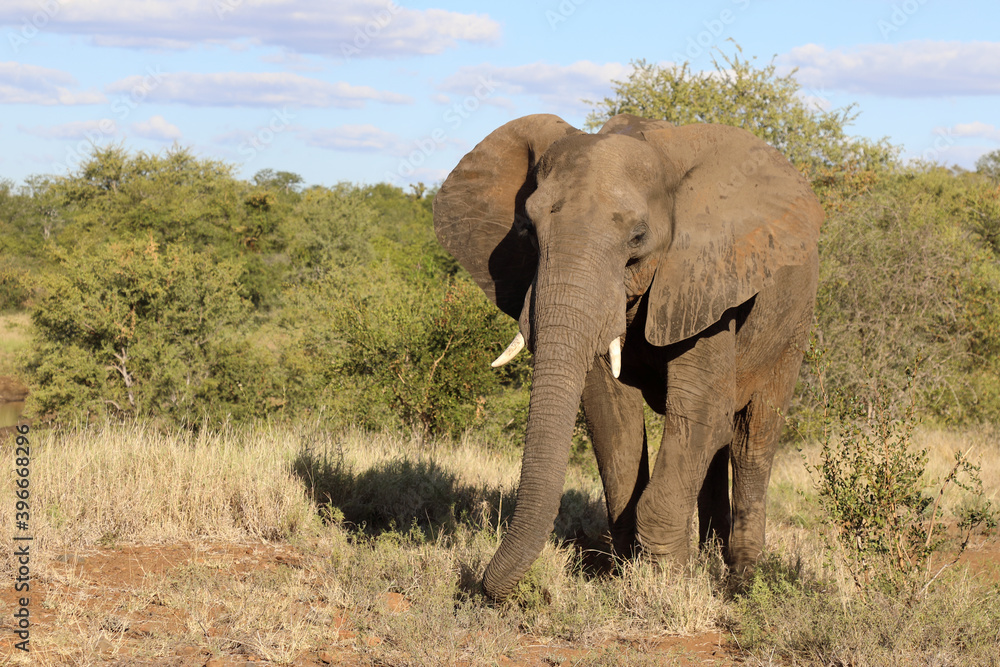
(698, 424)
(617, 430)
(757, 431)
(714, 509)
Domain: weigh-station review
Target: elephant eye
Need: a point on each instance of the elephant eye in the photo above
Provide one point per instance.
(524, 226)
(639, 235)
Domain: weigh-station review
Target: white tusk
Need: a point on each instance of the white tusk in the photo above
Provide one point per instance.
(615, 351)
(515, 346)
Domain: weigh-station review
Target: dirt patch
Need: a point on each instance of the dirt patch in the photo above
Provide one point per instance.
(157, 605)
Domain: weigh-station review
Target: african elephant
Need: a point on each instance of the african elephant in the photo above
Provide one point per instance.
(675, 265)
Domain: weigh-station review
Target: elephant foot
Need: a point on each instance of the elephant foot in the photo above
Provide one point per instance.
(624, 547)
(739, 581)
(661, 556)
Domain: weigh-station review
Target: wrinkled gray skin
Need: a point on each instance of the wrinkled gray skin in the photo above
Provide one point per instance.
(697, 245)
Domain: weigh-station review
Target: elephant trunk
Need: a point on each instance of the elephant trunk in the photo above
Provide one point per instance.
(566, 334)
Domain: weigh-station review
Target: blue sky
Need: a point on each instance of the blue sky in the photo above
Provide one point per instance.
(398, 90)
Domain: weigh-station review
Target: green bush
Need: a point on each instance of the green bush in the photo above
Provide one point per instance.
(421, 352)
(989, 166)
(903, 276)
(136, 329)
(873, 486)
(14, 286)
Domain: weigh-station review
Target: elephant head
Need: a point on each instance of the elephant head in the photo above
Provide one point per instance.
(567, 232)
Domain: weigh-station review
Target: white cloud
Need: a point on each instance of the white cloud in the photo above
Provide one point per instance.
(356, 138)
(907, 69)
(83, 129)
(351, 28)
(818, 102)
(157, 128)
(266, 89)
(31, 84)
(558, 86)
(976, 129)
(292, 62)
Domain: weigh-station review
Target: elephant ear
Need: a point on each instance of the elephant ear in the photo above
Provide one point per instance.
(741, 212)
(477, 206)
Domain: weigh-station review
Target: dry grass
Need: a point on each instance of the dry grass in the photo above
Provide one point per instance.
(133, 484)
(299, 540)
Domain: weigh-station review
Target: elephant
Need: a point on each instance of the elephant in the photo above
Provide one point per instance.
(675, 265)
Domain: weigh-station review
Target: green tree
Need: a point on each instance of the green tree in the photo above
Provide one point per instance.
(421, 351)
(906, 273)
(328, 228)
(139, 329)
(757, 99)
(173, 197)
(989, 166)
(282, 181)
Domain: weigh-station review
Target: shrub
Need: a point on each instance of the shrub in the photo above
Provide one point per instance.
(989, 166)
(873, 486)
(14, 286)
(136, 329)
(422, 352)
(902, 277)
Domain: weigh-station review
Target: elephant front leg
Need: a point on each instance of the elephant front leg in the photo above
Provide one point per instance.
(692, 465)
(617, 430)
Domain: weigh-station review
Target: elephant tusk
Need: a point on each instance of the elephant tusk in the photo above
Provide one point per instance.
(615, 352)
(515, 346)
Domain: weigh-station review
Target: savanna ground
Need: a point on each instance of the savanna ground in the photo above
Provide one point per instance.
(281, 545)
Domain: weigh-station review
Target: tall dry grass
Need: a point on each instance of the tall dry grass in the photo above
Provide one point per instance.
(373, 514)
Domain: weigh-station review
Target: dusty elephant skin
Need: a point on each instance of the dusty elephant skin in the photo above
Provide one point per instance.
(675, 265)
